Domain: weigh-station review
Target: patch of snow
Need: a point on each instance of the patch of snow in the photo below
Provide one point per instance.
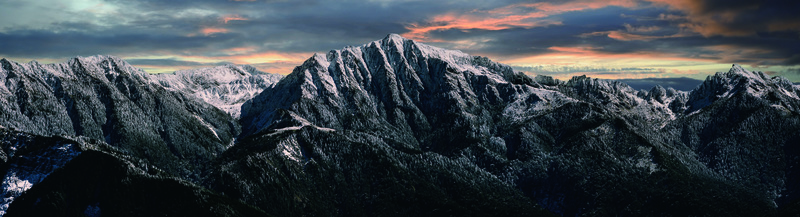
(790, 94)
(233, 141)
(647, 161)
(207, 126)
(326, 79)
(281, 130)
(308, 89)
(324, 129)
(498, 79)
(547, 100)
(397, 41)
(290, 152)
(12, 187)
(295, 128)
(26, 171)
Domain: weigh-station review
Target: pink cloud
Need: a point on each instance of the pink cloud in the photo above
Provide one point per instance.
(580, 50)
(227, 18)
(213, 30)
(525, 15)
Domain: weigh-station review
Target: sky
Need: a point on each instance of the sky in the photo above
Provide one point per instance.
(613, 39)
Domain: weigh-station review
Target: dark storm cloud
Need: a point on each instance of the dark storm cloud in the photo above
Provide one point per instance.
(793, 60)
(738, 17)
(332, 25)
(682, 83)
(38, 43)
(177, 26)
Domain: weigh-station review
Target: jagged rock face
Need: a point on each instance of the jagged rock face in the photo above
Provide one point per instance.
(420, 95)
(740, 80)
(539, 135)
(407, 91)
(744, 127)
(106, 99)
(226, 87)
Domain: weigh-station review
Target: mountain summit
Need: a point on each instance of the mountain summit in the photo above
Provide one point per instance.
(394, 86)
(741, 81)
(393, 127)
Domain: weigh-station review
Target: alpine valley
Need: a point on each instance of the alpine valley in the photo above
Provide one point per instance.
(390, 128)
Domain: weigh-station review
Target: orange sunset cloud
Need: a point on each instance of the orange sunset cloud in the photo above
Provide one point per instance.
(228, 18)
(213, 30)
(505, 17)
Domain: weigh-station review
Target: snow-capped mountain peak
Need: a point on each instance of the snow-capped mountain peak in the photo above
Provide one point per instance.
(739, 80)
(384, 76)
(756, 76)
(394, 37)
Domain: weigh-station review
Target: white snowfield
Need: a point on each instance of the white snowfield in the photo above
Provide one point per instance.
(225, 87)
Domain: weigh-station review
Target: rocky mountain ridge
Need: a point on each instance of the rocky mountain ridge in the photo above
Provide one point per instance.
(396, 127)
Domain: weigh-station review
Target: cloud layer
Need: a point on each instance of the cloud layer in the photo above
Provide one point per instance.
(615, 39)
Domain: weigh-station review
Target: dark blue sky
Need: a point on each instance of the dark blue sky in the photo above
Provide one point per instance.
(561, 38)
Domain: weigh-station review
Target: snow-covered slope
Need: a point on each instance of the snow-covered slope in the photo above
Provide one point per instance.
(414, 92)
(540, 135)
(105, 98)
(226, 87)
(394, 85)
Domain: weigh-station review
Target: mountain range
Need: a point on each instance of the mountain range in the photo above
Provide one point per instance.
(393, 127)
